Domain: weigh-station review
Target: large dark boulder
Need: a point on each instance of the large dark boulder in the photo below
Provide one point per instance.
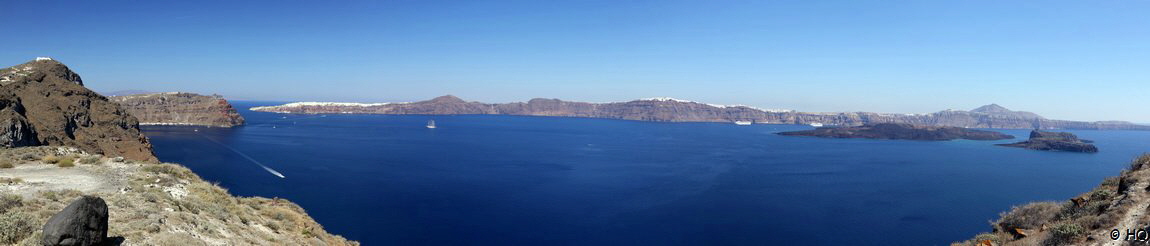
(84, 222)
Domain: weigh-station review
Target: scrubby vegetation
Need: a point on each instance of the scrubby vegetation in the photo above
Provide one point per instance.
(7, 164)
(1070, 222)
(66, 162)
(50, 159)
(1065, 234)
(90, 160)
(14, 227)
(167, 204)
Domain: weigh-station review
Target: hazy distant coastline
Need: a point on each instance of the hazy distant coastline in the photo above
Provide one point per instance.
(675, 110)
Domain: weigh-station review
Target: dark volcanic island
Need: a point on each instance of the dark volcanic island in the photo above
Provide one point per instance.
(901, 131)
(1055, 141)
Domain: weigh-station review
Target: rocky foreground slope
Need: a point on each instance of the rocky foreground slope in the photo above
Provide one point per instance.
(673, 110)
(42, 102)
(180, 108)
(148, 203)
(1120, 205)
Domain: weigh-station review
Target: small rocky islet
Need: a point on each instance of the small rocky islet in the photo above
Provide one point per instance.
(1055, 141)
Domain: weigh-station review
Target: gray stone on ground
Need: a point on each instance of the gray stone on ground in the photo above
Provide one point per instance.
(84, 222)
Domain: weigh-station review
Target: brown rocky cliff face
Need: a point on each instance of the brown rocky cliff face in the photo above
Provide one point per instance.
(180, 109)
(44, 103)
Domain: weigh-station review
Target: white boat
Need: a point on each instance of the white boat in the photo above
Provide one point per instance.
(816, 124)
(431, 124)
(744, 122)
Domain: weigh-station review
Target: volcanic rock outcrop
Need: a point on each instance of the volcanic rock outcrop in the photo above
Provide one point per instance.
(180, 108)
(42, 102)
(674, 110)
(1055, 141)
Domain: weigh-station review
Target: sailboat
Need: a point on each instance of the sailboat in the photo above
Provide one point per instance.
(431, 124)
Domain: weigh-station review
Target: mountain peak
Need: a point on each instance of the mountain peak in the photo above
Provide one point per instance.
(39, 67)
(991, 108)
(447, 99)
(995, 109)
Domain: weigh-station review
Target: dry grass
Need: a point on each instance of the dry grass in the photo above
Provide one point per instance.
(7, 164)
(10, 181)
(89, 160)
(51, 159)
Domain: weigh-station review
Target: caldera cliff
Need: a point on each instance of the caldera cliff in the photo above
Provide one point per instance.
(674, 110)
(180, 108)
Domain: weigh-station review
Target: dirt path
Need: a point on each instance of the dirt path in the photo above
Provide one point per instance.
(40, 177)
(1137, 194)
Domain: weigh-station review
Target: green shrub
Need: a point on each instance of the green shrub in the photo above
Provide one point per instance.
(1140, 162)
(1065, 234)
(1028, 216)
(1110, 181)
(15, 226)
(29, 157)
(171, 169)
(66, 162)
(9, 201)
(1102, 194)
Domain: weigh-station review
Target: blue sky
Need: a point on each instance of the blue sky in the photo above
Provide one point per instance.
(1080, 60)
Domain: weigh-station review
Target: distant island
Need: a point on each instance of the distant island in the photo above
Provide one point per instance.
(180, 108)
(901, 131)
(675, 110)
(1055, 141)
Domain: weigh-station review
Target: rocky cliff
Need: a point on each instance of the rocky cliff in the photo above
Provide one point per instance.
(42, 102)
(179, 108)
(901, 131)
(674, 110)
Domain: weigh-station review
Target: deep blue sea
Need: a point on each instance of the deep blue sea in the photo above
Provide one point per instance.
(513, 180)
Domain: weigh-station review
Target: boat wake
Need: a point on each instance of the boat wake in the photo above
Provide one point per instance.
(245, 156)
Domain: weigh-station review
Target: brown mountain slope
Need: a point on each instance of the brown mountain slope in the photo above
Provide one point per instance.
(42, 102)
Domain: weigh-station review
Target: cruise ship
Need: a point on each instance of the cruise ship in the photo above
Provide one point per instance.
(744, 122)
(816, 124)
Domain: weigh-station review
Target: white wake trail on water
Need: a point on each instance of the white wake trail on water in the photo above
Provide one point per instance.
(245, 156)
